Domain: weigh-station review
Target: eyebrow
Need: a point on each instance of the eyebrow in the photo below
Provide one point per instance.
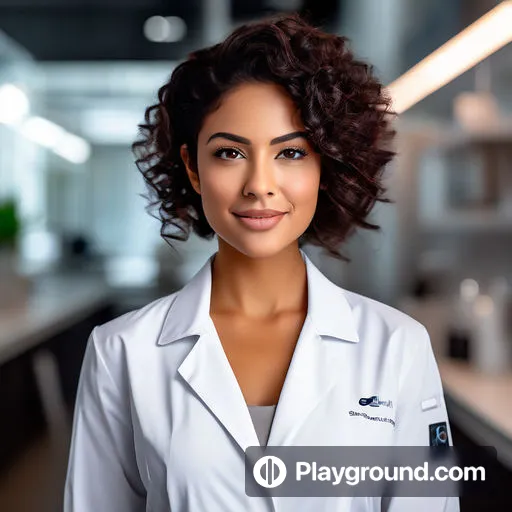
(243, 140)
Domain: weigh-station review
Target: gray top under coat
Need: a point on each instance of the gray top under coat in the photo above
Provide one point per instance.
(262, 416)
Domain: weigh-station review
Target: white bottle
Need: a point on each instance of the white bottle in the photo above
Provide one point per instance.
(491, 349)
(501, 293)
(461, 326)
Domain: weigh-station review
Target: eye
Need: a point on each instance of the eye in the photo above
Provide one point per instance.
(234, 154)
(290, 152)
(228, 151)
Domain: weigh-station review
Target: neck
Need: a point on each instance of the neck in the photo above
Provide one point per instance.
(258, 288)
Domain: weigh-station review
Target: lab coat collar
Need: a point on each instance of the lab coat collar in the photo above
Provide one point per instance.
(328, 308)
(317, 363)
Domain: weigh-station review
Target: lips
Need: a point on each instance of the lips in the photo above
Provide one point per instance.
(260, 223)
(258, 214)
(258, 217)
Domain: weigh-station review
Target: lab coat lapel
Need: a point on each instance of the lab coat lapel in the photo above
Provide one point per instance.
(209, 374)
(315, 367)
(319, 358)
(206, 368)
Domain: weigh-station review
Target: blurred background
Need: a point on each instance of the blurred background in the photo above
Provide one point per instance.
(78, 248)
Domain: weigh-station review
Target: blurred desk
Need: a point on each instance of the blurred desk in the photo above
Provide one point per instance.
(43, 342)
(56, 303)
(480, 404)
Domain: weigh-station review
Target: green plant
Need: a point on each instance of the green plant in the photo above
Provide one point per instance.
(9, 222)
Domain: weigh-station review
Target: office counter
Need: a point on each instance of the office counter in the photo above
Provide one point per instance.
(41, 349)
(480, 404)
(56, 303)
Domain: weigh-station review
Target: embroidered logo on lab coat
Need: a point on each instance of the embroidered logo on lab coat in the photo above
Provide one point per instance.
(373, 401)
(373, 418)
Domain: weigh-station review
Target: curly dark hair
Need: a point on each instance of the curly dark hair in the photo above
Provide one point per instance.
(344, 109)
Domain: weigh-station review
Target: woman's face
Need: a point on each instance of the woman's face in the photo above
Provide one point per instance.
(244, 165)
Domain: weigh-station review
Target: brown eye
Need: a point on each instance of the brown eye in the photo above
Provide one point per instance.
(293, 153)
(231, 153)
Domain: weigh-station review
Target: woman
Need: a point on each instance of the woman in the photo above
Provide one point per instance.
(271, 139)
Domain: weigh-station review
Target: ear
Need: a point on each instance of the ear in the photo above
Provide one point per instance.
(193, 176)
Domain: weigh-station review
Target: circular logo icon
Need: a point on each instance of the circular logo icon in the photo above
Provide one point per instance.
(269, 471)
(441, 435)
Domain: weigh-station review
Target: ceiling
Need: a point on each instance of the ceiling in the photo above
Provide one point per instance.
(97, 72)
(101, 30)
(88, 49)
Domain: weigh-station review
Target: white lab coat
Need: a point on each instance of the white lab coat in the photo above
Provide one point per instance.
(161, 423)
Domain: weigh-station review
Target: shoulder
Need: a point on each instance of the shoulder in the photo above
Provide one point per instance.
(137, 327)
(389, 317)
(378, 322)
(393, 339)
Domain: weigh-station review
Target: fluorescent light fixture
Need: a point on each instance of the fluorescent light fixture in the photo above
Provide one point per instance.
(42, 132)
(482, 38)
(73, 148)
(14, 104)
(54, 137)
(110, 126)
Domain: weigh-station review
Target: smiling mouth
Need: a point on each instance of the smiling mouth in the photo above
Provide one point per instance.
(262, 223)
(263, 217)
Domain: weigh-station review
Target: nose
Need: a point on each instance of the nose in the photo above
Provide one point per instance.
(261, 179)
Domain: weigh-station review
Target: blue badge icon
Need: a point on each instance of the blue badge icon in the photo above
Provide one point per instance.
(438, 434)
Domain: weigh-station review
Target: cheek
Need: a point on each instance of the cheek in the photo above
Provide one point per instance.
(218, 192)
(303, 189)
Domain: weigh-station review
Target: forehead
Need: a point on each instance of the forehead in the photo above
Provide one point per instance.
(258, 111)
